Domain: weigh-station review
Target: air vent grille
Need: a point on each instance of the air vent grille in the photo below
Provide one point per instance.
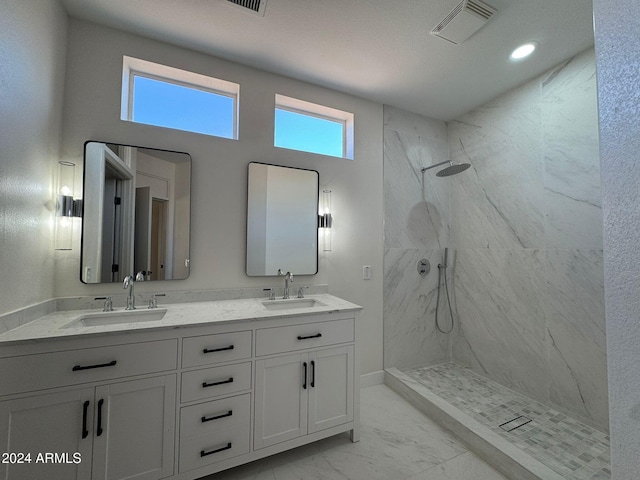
(254, 7)
(480, 9)
(448, 18)
(250, 4)
(463, 21)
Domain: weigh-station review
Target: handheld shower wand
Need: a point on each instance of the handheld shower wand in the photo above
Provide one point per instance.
(442, 267)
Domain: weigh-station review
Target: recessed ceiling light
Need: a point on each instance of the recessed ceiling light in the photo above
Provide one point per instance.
(523, 51)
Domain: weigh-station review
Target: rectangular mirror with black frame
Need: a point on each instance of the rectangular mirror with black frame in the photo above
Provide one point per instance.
(137, 213)
(282, 220)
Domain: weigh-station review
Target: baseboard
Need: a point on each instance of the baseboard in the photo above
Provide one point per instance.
(371, 379)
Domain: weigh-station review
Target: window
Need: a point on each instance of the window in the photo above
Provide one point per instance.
(164, 96)
(314, 128)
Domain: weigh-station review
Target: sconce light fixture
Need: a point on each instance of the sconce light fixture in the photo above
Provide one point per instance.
(325, 219)
(66, 206)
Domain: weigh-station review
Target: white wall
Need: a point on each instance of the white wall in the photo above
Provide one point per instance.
(219, 172)
(32, 64)
(617, 47)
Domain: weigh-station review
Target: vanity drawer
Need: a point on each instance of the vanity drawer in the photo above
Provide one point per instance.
(300, 337)
(210, 349)
(49, 370)
(223, 425)
(213, 382)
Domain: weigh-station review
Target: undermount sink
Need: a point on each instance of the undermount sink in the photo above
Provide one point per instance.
(292, 304)
(115, 318)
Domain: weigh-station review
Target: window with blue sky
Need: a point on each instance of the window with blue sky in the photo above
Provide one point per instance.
(156, 94)
(311, 127)
(184, 108)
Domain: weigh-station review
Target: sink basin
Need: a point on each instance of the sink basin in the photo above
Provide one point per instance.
(115, 318)
(292, 304)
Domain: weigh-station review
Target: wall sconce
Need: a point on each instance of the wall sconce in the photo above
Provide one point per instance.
(325, 220)
(66, 206)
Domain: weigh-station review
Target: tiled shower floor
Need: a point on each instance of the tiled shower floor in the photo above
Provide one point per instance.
(567, 446)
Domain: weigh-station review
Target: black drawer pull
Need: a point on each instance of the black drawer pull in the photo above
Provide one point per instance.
(99, 430)
(85, 408)
(206, 350)
(205, 384)
(228, 414)
(204, 454)
(89, 367)
(317, 335)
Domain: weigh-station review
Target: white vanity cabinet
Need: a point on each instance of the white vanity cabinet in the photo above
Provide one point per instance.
(309, 391)
(217, 428)
(108, 430)
(181, 401)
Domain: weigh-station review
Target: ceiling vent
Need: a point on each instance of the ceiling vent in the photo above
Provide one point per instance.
(463, 21)
(257, 7)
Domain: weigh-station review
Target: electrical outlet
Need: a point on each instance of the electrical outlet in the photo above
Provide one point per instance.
(366, 272)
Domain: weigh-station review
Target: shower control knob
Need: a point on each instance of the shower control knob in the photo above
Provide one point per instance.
(424, 267)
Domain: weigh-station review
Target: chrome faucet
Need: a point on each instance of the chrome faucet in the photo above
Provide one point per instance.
(288, 277)
(128, 283)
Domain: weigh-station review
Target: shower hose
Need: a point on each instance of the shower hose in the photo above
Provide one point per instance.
(442, 267)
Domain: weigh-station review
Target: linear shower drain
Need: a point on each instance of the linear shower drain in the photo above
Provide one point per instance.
(515, 423)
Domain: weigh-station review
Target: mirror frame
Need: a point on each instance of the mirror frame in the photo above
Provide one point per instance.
(317, 205)
(82, 230)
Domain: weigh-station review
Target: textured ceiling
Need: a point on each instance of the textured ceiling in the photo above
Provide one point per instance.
(376, 49)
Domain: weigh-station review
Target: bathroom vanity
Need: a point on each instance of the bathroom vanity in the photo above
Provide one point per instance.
(185, 391)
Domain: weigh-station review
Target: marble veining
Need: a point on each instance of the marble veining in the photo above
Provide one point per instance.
(411, 338)
(571, 156)
(526, 222)
(416, 226)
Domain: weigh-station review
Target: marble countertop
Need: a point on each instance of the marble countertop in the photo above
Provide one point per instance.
(63, 324)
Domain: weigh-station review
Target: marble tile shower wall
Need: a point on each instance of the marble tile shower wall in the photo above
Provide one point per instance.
(416, 226)
(526, 223)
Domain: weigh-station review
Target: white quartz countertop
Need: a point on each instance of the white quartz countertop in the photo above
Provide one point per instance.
(65, 323)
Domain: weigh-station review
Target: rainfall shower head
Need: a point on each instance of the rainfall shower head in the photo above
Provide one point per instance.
(452, 169)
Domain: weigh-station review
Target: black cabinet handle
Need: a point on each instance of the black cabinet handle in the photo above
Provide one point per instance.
(99, 430)
(204, 454)
(85, 409)
(228, 414)
(304, 383)
(317, 335)
(207, 350)
(205, 384)
(112, 363)
(313, 374)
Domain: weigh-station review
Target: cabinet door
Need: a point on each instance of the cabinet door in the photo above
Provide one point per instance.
(280, 399)
(135, 425)
(331, 388)
(48, 424)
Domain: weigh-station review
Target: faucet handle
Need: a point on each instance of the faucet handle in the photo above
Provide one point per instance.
(108, 304)
(272, 293)
(301, 291)
(153, 301)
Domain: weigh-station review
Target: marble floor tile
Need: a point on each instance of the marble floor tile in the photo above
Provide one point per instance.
(397, 443)
(466, 465)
